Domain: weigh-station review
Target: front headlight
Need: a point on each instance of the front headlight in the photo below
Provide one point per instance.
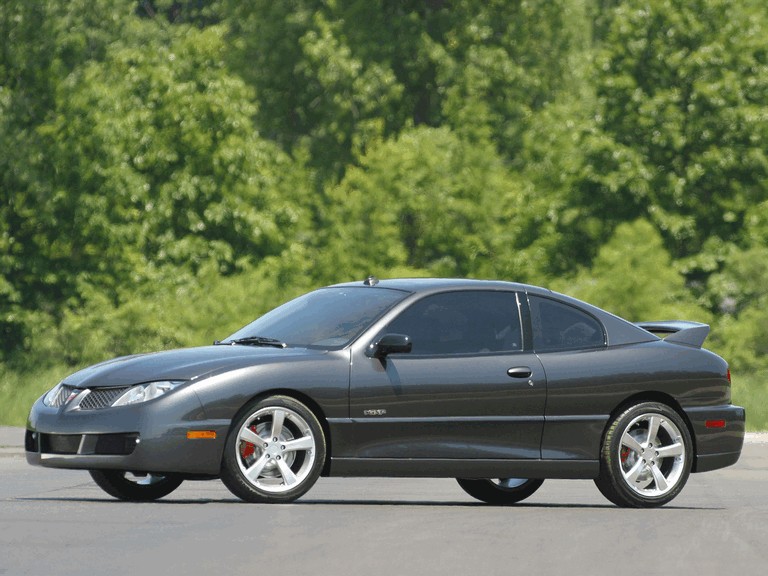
(148, 391)
(52, 398)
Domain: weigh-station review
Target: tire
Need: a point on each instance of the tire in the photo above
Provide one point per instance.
(500, 491)
(646, 457)
(275, 451)
(135, 487)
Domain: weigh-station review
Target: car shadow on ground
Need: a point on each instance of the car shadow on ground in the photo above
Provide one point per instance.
(355, 502)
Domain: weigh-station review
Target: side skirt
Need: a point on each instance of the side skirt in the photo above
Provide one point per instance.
(444, 468)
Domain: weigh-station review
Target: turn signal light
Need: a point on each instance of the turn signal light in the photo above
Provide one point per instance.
(201, 435)
(715, 423)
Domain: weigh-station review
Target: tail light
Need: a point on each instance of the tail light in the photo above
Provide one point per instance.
(715, 423)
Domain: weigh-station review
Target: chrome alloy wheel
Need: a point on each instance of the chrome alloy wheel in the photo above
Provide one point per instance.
(143, 479)
(509, 483)
(652, 455)
(275, 449)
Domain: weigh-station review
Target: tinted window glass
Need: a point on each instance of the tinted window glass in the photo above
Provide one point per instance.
(558, 326)
(462, 323)
(325, 318)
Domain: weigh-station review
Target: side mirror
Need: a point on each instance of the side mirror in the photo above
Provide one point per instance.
(389, 344)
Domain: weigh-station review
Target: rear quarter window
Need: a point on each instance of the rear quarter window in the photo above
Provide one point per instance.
(558, 326)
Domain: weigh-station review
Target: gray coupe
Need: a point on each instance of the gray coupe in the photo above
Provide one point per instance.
(497, 384)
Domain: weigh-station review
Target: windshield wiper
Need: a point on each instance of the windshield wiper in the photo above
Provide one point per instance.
(257, 341)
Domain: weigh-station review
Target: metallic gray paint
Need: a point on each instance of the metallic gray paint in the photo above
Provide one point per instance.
(444, 416)
(162, 425)
(452, 468)
(457, 407)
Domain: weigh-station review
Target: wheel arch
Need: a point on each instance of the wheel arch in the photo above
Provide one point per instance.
(652, 396)
(305, 399)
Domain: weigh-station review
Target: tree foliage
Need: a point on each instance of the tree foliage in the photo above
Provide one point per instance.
(632, 275)
(427, 200)
(682, 89)
(170, 169)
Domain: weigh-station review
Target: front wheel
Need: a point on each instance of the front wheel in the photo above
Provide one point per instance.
(135, 487)
(275, 451)
(646, 456)
(500, 491)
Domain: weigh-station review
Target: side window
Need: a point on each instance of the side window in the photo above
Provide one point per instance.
(558, 326)
(473, 322)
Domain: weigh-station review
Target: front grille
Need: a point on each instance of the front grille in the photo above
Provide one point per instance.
(82, 444)
(115, 444)
(59, 443)
(94, 399)
(101, 398)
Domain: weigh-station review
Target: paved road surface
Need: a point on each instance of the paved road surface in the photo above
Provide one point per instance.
(57, 522)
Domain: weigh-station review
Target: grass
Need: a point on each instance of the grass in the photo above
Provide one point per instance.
(751, 391)
(19, 390)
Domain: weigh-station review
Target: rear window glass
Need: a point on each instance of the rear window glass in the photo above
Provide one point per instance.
(558, 326)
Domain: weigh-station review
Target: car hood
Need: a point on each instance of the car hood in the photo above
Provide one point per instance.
(184, 364)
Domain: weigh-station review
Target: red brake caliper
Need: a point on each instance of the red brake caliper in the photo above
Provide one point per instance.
(624, 454)
(247, 448)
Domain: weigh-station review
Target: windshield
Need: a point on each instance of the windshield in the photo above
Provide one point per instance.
(327, 318)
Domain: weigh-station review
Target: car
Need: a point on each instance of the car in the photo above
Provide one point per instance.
(498, 384)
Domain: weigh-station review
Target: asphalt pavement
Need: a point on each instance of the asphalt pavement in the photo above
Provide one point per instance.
(57, 522)
(11, 441)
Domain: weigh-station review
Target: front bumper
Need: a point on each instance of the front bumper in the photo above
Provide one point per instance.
(718, 435)
(147, 437)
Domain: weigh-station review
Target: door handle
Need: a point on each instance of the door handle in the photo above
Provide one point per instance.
(520, 372)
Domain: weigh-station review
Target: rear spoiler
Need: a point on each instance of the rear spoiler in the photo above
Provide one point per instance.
(681, 332)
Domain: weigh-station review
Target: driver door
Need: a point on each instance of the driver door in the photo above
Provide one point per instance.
(466, 390)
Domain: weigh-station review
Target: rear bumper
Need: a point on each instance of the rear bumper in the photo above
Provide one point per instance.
(718, 435)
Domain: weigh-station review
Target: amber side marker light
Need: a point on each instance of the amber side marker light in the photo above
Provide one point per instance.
(715, 423)
(201, 435)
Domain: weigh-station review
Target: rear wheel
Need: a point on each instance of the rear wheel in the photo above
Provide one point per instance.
(275, 451)
(135, 487)
(500, 491)
(646, 457)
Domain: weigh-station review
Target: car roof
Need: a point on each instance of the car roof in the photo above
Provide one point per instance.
(440, 284)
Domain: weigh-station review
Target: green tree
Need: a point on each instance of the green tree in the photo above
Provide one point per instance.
(682, 88)
(335, 76)
(633, 277)
(738, 291)
(140, 153)
(41, 43)
(166, 161)
(427, 200)
(315, 92)
(502, 62)
(741, 334)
